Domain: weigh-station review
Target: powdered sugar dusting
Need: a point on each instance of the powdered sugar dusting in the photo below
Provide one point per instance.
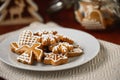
(55, 57)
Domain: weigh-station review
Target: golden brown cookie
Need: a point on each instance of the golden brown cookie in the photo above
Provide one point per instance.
(40, 33)
(55, 59)
(48, 39)
(62, 47)
(33, 49)
(27, 38)
(77, 51)
(14, 46)
(26, 58)
(66, 39)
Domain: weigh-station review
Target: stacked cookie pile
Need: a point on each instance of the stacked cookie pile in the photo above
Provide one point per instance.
(48, 47)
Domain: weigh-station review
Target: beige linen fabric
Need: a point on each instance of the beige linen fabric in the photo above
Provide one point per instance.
(105, 66)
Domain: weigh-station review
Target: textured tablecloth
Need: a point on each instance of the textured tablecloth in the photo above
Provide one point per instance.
(105, 66)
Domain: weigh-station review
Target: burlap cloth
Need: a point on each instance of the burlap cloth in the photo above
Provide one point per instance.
(105, 66)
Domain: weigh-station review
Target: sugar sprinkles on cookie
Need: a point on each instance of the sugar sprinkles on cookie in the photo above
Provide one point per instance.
(48, 47)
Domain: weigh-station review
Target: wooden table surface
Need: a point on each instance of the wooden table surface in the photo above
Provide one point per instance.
(66, 18)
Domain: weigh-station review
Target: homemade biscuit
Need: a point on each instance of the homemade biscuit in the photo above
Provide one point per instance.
(55, 59)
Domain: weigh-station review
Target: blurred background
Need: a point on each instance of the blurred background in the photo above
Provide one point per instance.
(61, 12)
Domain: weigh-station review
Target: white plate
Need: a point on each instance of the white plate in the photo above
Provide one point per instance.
(88, 43)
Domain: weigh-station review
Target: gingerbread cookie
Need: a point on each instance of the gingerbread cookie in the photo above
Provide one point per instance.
(55, 59)
(66, 39)
(63, 48)
(48, 39)
(33, 49)
(26, 58)
(26, 38)
(14, 46)
(40, 33)
(77, 51)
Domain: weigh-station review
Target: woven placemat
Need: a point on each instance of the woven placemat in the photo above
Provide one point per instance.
(105, 66)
